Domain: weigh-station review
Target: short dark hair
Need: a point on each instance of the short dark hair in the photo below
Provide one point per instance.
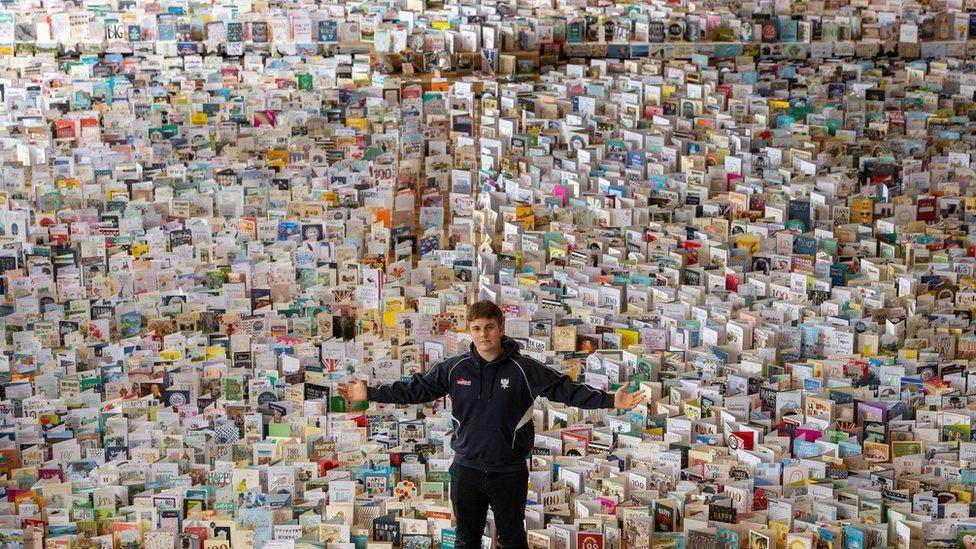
(485, 309)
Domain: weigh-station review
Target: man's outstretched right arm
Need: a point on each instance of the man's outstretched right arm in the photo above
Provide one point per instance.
(420, 388)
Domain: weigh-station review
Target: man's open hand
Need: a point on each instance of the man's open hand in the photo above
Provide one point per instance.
(623, 400)
(353, 392)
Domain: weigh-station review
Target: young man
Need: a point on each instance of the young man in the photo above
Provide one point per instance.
(492, 389)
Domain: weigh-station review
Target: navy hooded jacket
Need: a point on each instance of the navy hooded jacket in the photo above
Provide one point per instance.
(491, 402)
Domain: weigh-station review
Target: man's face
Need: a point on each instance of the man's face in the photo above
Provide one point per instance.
(486, 334)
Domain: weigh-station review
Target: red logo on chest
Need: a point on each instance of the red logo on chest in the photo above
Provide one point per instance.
(462, 381)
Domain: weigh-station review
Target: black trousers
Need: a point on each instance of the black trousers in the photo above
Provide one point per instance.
(472, 491)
